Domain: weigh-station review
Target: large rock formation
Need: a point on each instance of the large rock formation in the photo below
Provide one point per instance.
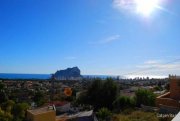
(68, 74)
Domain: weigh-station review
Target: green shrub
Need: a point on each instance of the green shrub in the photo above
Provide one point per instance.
(123, 102)
(104, 114)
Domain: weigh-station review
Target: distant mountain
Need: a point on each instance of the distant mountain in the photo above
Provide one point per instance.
(73, 73)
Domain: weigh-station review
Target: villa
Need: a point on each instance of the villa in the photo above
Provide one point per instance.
(170, 101)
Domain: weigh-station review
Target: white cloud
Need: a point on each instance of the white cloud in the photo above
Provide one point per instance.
(159, 67)
(107, 40)
(110, 39)
(128, 5)
(151, 62)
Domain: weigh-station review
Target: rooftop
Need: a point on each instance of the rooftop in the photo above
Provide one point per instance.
(80, 114)
(58, 103)
(85, 113)
(40, 110)
(174, 77)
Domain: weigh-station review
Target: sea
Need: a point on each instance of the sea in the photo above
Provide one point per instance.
(47, 76)
(44, 76)
(24, 76)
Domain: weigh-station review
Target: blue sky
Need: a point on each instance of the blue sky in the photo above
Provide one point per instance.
(98, 36)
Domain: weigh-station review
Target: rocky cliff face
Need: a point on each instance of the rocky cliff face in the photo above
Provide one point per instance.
(68, 74)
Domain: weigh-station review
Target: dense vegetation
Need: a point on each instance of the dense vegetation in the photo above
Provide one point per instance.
(101, 95)
(9, 109)
(104, 96)
(136, 116)
(145, 97)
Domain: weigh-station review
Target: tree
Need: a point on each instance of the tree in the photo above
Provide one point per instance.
(39, 98)
(94, 94)
(5, 116)
(158, 88)
(109, 93)
(82, 99)
(8, 106)
(123, 102)
(19, 111)
(100, 94)
(104, 114)
(3, 96)
(144, 97)
(1, 86)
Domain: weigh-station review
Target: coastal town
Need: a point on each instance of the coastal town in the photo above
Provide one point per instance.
(89, 60)
(60, 98)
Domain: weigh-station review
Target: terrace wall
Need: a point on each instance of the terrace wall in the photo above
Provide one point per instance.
(168, 102)
(175, 88)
